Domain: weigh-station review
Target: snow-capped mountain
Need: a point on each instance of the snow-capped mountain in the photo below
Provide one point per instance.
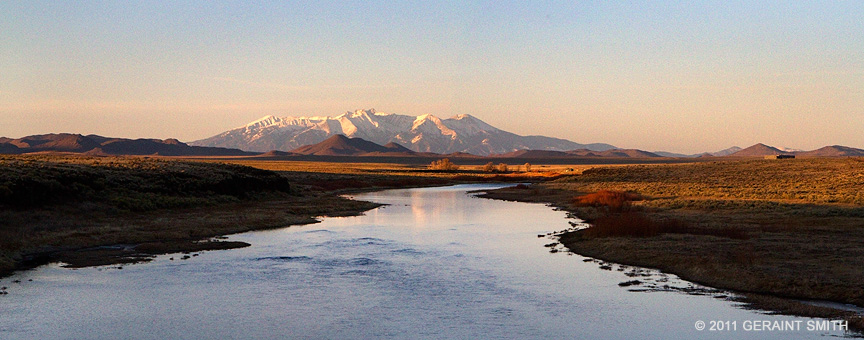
(426, 133)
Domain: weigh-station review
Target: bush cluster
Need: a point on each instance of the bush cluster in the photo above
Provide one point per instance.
(501, 167)
(616, 200)
(444, 164)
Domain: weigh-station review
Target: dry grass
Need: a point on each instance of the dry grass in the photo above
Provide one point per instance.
(818, 181)
(128, 183)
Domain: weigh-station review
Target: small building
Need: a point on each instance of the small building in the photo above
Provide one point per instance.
(779, 156)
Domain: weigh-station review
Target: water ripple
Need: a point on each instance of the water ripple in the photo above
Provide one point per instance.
(284, 258)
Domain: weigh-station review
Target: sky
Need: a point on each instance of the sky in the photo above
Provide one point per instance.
(688, 76)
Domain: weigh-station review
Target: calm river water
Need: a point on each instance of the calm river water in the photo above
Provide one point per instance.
(433, 263)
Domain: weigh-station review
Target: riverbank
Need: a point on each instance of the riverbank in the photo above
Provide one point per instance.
(87, 211)
(772, 230)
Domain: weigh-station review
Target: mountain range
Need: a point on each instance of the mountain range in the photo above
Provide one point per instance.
(833, 151)
(98, 145)
(341, 145)
(426, 133)
(758, 150)
(617, 153)
(721, 153)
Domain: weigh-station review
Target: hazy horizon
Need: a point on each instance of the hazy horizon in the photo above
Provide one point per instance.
(679, 76)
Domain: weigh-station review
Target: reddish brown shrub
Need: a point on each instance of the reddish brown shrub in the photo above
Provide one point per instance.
(614, 200)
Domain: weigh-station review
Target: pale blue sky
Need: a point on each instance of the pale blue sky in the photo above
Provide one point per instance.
(685, 76)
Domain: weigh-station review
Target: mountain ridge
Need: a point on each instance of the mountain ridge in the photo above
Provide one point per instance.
(99, 145)
(340, 145)
(757, 150)
(424, 133)
(833, 151)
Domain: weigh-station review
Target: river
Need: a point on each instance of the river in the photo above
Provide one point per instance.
(433, 263)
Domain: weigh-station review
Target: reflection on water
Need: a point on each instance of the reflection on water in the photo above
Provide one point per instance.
(434, 263)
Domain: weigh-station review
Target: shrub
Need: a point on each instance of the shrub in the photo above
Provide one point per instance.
(615, 200)
(443, 164)
(527, 167)
(489, 167)
(502, 167)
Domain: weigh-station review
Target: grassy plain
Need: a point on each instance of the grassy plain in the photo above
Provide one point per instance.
(769, 228)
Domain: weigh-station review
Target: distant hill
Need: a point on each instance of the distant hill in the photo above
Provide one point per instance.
(720, 153)
(62, 142)
(274, 153)
(672, 154)
(620, 153)
(340, 145)
(6, 148)
(425, 133)
(833, 151)
(99, 145)
(725, 152)
(533, 154)
(617, 153)
(758, 150)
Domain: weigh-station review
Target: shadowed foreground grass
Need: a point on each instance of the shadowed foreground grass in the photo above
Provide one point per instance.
(770, 228)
